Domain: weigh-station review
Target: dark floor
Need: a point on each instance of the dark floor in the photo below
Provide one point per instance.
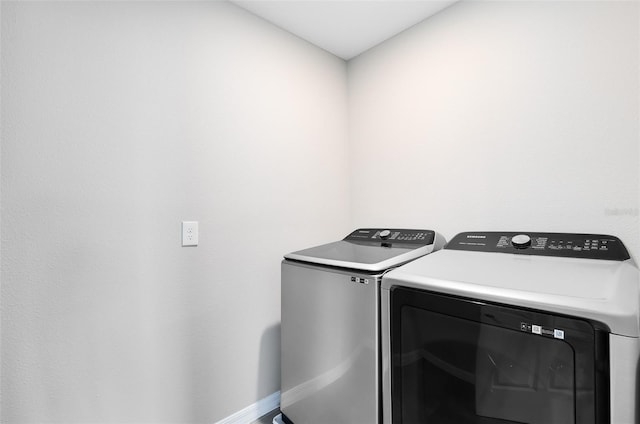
(268, 418)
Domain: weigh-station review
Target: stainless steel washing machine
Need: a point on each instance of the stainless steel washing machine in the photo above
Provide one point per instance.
(330, 324)
(503, 327)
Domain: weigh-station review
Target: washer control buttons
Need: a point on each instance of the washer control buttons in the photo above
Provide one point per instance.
(521, 241)
(384, 234)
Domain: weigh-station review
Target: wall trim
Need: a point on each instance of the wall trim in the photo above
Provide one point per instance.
(255, 411)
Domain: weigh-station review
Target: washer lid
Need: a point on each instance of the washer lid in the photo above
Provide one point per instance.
(371, 249)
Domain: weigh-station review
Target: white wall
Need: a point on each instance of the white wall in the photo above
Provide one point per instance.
(502, 116)
(121, 119)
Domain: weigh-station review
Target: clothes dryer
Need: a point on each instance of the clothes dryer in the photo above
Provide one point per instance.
(509, 328)
(330, 324)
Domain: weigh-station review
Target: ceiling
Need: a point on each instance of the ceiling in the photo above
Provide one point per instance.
(345, 28)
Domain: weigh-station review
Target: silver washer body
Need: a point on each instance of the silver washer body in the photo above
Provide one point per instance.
(330, 330)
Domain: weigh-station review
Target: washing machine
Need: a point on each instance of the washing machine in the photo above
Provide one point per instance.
(330, 357)
(508, 327)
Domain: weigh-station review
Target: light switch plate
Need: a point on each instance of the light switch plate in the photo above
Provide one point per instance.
(189, 233)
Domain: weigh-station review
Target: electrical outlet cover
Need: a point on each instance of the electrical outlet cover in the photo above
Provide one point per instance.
(189, 233)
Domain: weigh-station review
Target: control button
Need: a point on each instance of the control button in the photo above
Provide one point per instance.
(521, 241)
(384, 234)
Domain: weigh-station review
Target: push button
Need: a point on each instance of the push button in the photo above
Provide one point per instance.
(521, 241)
(384, 234)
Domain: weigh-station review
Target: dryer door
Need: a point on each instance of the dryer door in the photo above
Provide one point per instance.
(461, 361)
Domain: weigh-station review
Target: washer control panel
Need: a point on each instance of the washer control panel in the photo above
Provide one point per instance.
(568, 245)
(389, 236)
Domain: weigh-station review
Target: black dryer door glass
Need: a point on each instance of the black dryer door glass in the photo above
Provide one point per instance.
(463, 362)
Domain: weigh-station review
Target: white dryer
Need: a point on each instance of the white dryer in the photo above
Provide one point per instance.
(506, 328)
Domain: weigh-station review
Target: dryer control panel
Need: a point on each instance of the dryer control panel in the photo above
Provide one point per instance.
(389, 236)
(568, 245)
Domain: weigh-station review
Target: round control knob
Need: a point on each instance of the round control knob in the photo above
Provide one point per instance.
(384, 234)
(521, 241)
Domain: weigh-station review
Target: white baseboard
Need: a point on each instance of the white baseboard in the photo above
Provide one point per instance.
(253, 412)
